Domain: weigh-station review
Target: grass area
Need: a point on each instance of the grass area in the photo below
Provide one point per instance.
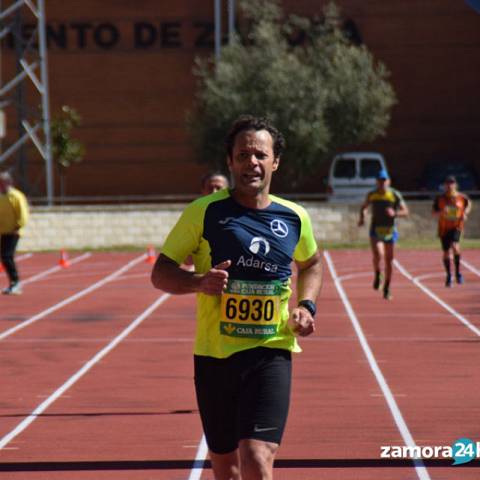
(423, 244)
(435, 244)
(342, 245)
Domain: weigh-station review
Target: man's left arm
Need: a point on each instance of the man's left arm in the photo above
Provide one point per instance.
(401, 209)
(468, 207)
(309, 284)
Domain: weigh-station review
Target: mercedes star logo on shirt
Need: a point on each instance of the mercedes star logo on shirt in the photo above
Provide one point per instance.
(279, 228)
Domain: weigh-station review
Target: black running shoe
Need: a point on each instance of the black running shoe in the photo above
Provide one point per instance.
(377, 281)
(448, 281)
(459, 278)
(386, 294)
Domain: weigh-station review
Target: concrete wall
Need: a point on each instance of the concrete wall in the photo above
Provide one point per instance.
(140, 225)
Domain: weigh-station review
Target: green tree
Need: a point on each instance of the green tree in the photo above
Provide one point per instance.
(324, 94)
(66, 150)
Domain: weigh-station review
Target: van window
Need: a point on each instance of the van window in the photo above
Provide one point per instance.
(369, 168)
(344, 168)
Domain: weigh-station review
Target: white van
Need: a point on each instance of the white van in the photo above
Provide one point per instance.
(353, 174)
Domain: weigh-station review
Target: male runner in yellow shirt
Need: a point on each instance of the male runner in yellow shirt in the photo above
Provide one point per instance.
(243, 242)
(13, 217)
(387, 204)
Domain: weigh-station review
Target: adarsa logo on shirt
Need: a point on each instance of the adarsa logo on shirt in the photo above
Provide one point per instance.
(256, 244)
(251, 262)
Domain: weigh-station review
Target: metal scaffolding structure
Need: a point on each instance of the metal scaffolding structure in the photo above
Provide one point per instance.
(24, 96)
(217, 8)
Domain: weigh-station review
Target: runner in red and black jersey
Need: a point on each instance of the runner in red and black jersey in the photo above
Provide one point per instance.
(452, 209)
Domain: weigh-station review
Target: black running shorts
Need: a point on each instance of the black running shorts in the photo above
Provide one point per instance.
(246, 395)
(450, 236)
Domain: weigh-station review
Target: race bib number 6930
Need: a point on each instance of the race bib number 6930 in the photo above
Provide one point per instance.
(250, 309)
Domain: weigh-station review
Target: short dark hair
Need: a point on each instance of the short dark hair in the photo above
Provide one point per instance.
(6, 178)
(249, 122)
(450, 179)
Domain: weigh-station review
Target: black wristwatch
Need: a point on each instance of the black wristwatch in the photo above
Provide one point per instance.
(309, 305)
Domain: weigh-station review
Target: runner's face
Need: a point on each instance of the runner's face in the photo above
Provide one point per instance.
(214, 184)
(450, 186)
(253, 161)
(383, 183)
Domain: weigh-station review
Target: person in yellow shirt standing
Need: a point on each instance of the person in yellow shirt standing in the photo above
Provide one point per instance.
(13, 217)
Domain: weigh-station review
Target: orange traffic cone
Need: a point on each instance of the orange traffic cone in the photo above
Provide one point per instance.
(151, 257)
(64, 262)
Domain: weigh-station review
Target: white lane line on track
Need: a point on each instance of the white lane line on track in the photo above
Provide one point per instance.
(132, 276)
(72, 298)
(430, 275)
(24, 256)
(420, 468)
(437, 299)
(354, 275)
(80, 373)
(200, 457)
(470, 267)
(394, 394)
(57, 268)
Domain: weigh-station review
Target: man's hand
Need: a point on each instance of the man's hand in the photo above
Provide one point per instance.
(301, 322)
(215, 280)
(390, 212)
(363, 211)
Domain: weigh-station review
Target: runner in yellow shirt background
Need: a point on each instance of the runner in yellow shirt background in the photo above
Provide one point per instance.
(387, 205)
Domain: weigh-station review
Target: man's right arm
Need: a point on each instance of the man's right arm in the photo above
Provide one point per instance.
(363, 210)
(168, 276)
(436, 207)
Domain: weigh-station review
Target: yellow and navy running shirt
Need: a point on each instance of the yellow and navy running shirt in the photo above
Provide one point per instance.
(261, 244)
(382, 224)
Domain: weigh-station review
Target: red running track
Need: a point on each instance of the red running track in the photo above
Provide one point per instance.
(131, 413)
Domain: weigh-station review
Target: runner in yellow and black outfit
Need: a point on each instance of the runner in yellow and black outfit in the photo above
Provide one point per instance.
(452, 209)
(14, 214)
(387, 204)
(243, 242)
